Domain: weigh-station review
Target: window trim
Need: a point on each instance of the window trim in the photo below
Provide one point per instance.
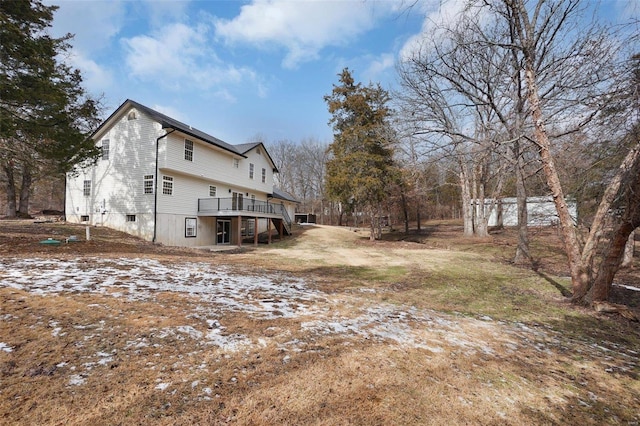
(189, 225)
(86, 188)
(147, 184)
(251, 169)
(167, 190)
(103, 151)
(264, 175)
(188, 149)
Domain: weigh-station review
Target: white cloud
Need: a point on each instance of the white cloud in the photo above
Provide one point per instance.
(96, 79)
(179, 57)
(379, 65)
(437, 13)
(302, 27)
(94, 23)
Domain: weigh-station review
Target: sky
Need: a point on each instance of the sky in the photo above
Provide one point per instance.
(242, 70)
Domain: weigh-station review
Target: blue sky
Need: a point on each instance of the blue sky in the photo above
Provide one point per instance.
(241, 69)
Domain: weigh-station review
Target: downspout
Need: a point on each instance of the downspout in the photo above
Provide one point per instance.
(155, 189)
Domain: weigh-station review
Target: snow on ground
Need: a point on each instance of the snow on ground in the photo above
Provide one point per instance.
(217, 289)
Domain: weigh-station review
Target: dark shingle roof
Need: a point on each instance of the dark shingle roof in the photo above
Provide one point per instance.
(168, 122)
(282, 195)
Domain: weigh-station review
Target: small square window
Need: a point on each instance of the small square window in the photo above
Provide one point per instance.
(105, 149)
(236, 163)
(167, 185)
(212, 191)
(188, 150)
(190, 224)
(148, 184)
(251, 171)
(86, 188)
(131, 218)
(84, 218)
(264, 175)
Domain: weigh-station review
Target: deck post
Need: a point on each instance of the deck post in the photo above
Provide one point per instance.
(281, 230)
(239, 229)
(269, 230)
(255, 232)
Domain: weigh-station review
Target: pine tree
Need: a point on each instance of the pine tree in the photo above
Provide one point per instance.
(45, 114)
(361, 166)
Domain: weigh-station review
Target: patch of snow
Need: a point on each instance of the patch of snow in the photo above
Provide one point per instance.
(5, 348)
(162, 386)
(77, 380)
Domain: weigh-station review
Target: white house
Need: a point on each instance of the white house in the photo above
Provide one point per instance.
(166, 182)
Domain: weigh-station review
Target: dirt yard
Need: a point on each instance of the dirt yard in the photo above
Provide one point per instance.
(323, 328)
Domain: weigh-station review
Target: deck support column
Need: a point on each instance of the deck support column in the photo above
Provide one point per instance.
(239, 231)
(269, 230)
(281, 230)
(255, 232)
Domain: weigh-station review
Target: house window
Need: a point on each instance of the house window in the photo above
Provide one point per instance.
(190, 227)
(212, 191)
(188, 150)
(167, 185)
(132, 116)
(148, 184)
(236, 163)
(131, 218)
(84, 218)
(264, 175)
(251, 171)
(86, 188)
(258, 151)
(105, 149)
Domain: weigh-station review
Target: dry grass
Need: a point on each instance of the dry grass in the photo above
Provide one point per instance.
(396, 333)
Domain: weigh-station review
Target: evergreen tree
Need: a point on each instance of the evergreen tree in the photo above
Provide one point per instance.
(45, 114)
(361, 166)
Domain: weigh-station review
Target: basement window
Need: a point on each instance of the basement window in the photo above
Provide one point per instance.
(190, 224)
(131, 218)
(84, 218)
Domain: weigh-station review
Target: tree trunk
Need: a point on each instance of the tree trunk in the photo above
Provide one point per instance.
(599, 292)
(629, 251)
(405, 212)
(467, 207)
(25, 191)
(10, 189)
(580, 273)
(522, 250)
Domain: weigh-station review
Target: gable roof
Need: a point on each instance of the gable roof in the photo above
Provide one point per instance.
(246, 147)
(282, 195)
(170, 123)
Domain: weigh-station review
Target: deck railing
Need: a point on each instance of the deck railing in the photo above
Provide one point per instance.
(210, 205)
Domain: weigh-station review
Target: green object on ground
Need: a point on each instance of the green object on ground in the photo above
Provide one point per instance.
(50, 242)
